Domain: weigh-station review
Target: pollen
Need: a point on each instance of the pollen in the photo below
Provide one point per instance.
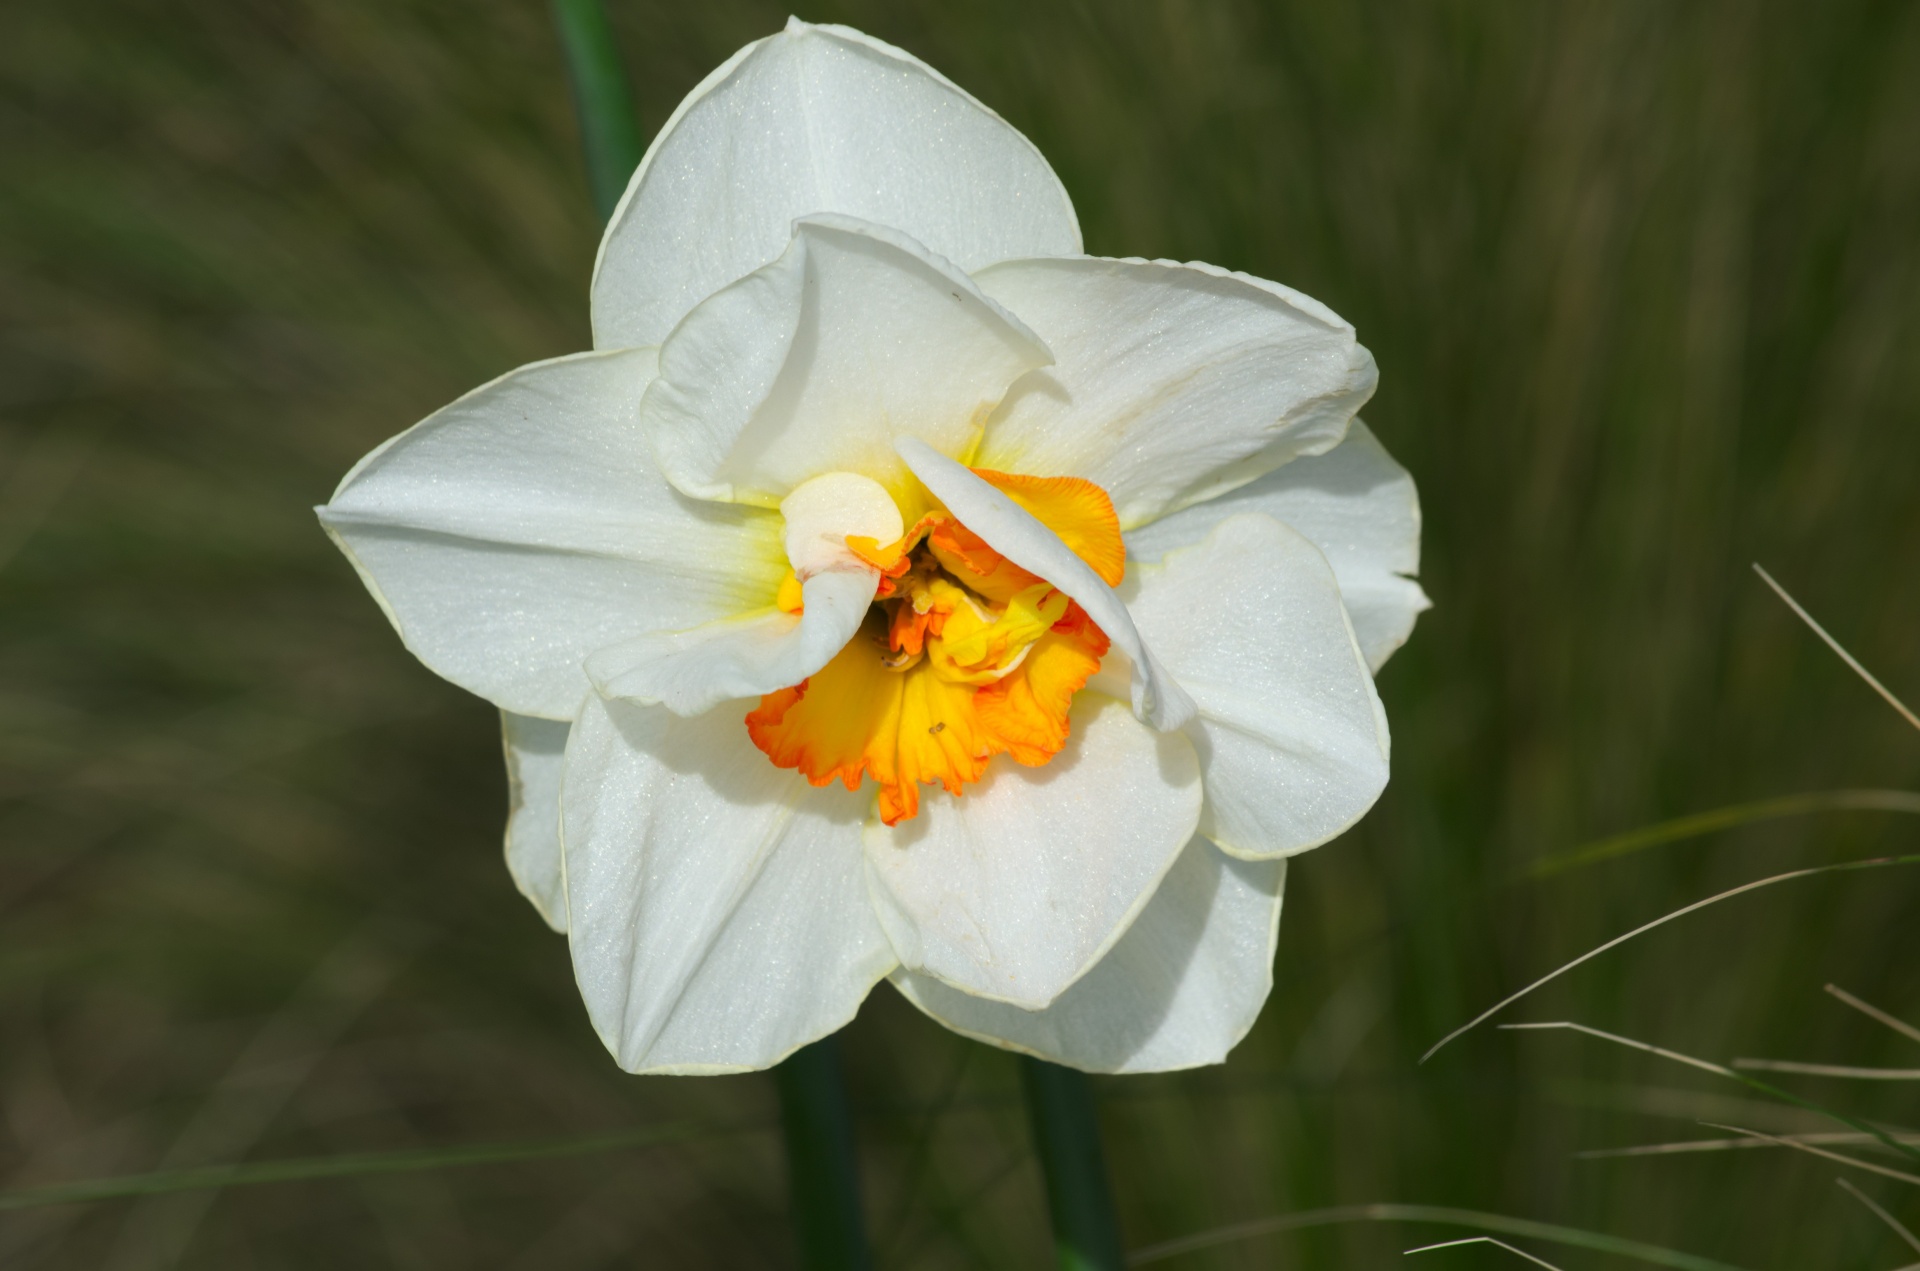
(963, 656)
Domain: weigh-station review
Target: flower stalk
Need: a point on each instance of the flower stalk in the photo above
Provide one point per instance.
(822, 1169)
(1066, 1134)
(825, 1185)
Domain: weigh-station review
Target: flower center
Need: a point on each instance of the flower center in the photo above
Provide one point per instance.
(963, 656)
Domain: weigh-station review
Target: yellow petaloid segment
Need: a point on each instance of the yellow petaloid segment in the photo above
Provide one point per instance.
(965, 656)
(1074, 508)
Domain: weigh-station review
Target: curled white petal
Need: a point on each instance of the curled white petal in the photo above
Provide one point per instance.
(816, 119)
(1018, 535)
(691, 671)
(815, 363)
(1356, 505)
(1171, 383)
(1179, 989)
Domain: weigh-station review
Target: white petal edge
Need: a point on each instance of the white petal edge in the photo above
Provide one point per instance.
(1292, 738)
(535, 752)
(1014, 889)
(1180, 989)
(817, 362)
(1361, 510)
(816, 119)
(718, 906)
(695, 670)
(512, 533)
(1158, 700)
(1171, 383)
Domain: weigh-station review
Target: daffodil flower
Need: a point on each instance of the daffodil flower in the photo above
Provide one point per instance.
(897, 592)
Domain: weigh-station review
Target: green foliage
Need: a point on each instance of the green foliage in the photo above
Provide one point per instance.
(1643, 280)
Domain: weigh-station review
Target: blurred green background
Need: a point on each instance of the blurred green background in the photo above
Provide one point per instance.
(1643, 280)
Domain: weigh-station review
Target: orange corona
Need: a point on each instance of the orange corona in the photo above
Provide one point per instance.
(964, 656)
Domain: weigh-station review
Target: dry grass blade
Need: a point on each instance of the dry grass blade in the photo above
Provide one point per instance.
(1899, 1026)
(1617, 941)
(1839, 1139)
(1704, 1065)
(1487, 1240)
(1720, 1070)
(1821, 1152)
(1828, 1070)
(1697, 824)
(1526, 1228)
(1900, 1228)
(1835, 645)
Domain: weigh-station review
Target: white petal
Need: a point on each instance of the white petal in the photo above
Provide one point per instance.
(1291, 735)
(535, 759)
(816, 119)
(524, 526)
(693, 671)
(1356, 505)
(719, 915)
(1019, 536)
(1013, 889)
(816, 362)
(1180, 989)
(1171, 383)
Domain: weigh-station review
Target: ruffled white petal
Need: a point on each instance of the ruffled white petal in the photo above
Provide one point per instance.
(745, 656)
(1019, 536)
(719, 915)
(1014, 889)
(1357, 506)
(536, 750)
(815, 363)
(816, 119)
(526, 525)
(1171, 383)
(1291, 735)
(1179, 989)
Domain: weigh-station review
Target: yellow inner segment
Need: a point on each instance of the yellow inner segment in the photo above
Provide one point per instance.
(964, 656)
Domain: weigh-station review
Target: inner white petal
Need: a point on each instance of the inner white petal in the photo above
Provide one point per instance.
(1022, 538)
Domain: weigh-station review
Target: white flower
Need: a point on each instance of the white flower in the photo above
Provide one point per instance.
(873, 480)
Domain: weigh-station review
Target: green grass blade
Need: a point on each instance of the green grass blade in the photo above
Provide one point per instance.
(1698, 824)
(609, 133)
(358, 1165)
(1573, 1237)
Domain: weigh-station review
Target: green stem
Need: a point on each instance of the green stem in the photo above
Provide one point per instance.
(824, 1175)
(608, 130)
(1066, 1133)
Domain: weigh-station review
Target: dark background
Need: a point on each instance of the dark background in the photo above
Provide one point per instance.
(1643, 280)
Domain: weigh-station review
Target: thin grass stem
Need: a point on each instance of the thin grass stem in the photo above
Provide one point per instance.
(1898, 1025)
(1899, 1228)
(1486, 1240)
(1721, 1070)
(1821, 1152)
(1905, 712)
(1878, 862)
(1828, 1070)
(1839, 1139)
(1525, 1228)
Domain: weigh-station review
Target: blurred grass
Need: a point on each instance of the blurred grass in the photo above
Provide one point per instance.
(1644, 284)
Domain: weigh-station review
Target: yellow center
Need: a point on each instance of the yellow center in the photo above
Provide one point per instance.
(964, 656)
